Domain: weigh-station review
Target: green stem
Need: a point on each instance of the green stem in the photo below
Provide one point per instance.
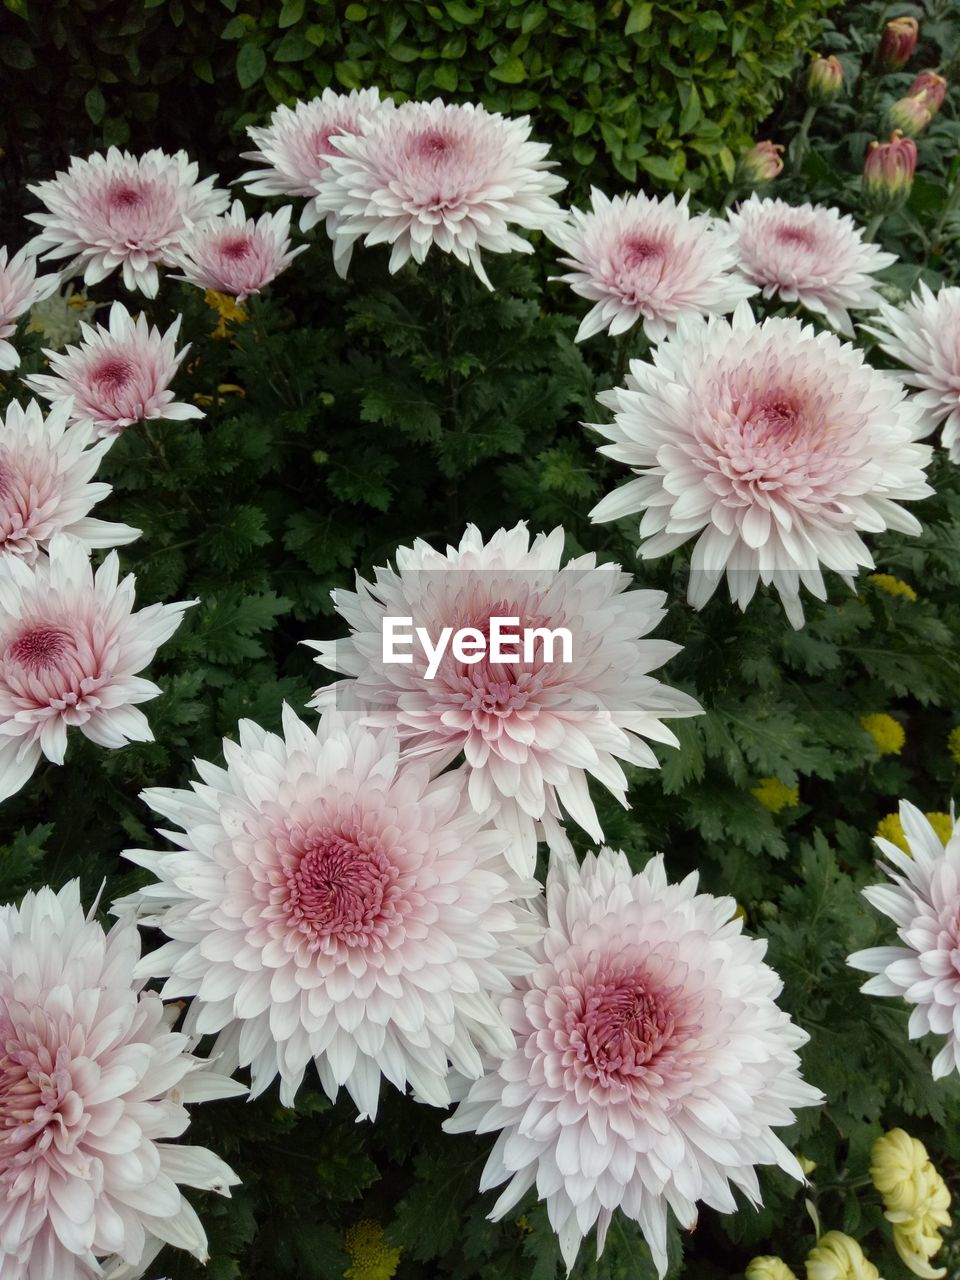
(729, 198)
(873, 226)
(623, 358)
(800, 142)
(949, 205)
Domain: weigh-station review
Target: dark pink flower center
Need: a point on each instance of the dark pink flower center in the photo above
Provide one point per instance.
(338, 887)
(41, 648)
(235, 248)
(623, 1024)
(39, 1108)
(114, 373)
(639, 250)
(433, 145)
(802, 237)
(124, 196)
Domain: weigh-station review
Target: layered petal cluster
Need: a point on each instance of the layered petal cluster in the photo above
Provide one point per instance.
(925, 336)
(70, 650)
(20, 288)
(120, 374)
(652, 1062)
(295, 148)
(915, 1197)
(237, 255)
(648, 261)
(775, 446)
(533, 729)
(432, 173)
(923, 901)
(46, 482)
(329, 903)
(92, 1087)
(120, 210)
(809, 254)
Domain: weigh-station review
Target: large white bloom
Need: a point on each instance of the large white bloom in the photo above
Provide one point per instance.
(644, 260)
(923, 901)
(20, 289)
(435, 173)
(652, 1062)
(46, 482)
(774, 446)
(808, 254)
(92, 1087)
(331, 903)
(925, 336)
(532, 730)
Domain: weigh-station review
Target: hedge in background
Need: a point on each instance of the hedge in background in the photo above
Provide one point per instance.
(652, 93)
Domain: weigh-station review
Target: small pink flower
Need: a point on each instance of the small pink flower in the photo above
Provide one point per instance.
(911, 115)
(652, 1063)
(46, 469)
(92, 1087)
(70, 650)
(898, 42)
(888, 173)
(644, 260)
(824, 79)
(931, 84)
(296, 147)
(120, 210)
(20, 288)
(808, 254)
(235, 254)
(454, 176)
(118, 375)
(761, 163)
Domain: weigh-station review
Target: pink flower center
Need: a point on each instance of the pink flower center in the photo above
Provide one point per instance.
(499, 698)
(39, 1108)
(235, 248)
(124, 197)
(42, 648)
(320, 143)
(801, 237)
(114, 374)
(339, 887)
(433, 145)
(622, 1025)
(638, 250)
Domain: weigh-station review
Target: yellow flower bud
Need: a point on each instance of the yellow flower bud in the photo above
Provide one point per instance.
(768, 1268)
(776, 795)
(838, 1257)
(886, 732)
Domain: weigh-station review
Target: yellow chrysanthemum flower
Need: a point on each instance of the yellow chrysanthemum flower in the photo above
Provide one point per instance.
(886, 732)
(370, 1257)
(915, 1197)
(768, 1268)
(942, 824)
(897, 1164)
(836, 1256)
(776, 795)
(953, 744)
(892, 586)
(890, 828)
(228, 309)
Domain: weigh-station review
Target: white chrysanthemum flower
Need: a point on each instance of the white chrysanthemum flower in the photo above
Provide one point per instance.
(773, 445)
(645, 260)
(533, 729)
(20, 289)
(92, 1087)
(435, 173)
(120, 210)
(923, 901)
(331, 903)
(809, 254)
(296, 148)
(652, 1062)
(70, 650)
(237, 255)
(119, 375)
(925, 336)
(46, 472)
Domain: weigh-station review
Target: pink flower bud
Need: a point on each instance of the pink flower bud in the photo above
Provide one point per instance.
(934, 86)
(888, 173)
(761, 164)
(824, 79)
(911, 115)
(898, 42)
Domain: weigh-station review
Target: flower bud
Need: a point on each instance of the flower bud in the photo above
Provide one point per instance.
(824, 79)
(911, 115)
(934, 86)
(888, 173)
(761, 164)
(898, 42)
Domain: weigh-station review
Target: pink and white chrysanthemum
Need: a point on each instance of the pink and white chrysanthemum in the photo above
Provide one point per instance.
(775, 446)
(92, 1087)
(644, 260)
(46, 483)
(70, 650)
(809, 254)
(121, 210)
(532, 731)
(296, 147)
(330, 903)
(923, 901)
(118, 375)
(20, 288)
(925, 336)
(652, 1062)
(433, 173)
(235, 254)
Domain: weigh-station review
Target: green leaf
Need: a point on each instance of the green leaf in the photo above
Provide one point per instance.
(95, 104)
(445, 77)
(510, 71)
(293, 48)
(691, 111)
(460, 12)
(355, 12)
(638, 19)
(290, 13)
(20, 862)
(251, 64)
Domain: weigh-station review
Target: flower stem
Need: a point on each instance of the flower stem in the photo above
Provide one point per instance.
(800, 142)
(949, 205)
(873, 226)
